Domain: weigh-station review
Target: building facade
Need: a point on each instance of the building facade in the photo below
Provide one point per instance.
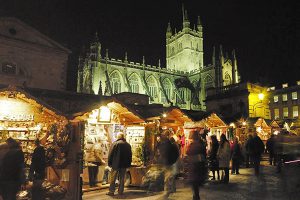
(182, 82)
(29, 58)
(285, 101)
(243, 100)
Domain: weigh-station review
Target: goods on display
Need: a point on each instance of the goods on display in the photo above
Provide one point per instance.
(135, 137)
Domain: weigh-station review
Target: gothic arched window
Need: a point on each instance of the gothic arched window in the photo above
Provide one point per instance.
(115, 83)
(168, 89)
(227, 79)
(134, 83)
(152, 85)
(208, 81)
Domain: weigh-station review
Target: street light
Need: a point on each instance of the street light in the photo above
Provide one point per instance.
(261, 96)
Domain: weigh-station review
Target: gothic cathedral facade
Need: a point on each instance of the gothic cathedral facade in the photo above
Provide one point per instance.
(182, 82)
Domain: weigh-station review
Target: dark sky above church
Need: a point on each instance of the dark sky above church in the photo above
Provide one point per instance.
(263, 33)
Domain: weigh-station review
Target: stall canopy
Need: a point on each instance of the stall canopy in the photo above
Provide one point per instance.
(208, 120)
(14, 100)
(170, 116)
(124, 113)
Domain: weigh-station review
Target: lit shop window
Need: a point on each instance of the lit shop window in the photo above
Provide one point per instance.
(9, 68)
(276, 113)
(294, 95)
(285, 112)
(275, 99)
(284, 97)
(295, 111)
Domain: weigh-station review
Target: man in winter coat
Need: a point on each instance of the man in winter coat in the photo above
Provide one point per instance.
(12, 173)
(37, 170)
(119, 158)
(257, 147)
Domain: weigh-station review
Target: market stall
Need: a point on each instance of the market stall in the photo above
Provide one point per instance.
(245, 127)
(102, 123)
(211, 124)
(25, 119)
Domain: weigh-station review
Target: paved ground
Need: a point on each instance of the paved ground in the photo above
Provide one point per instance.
(246, 186)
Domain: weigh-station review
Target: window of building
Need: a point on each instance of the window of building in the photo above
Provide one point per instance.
(152, 87)
(295, 111)
(115, 83)
(285, 112)
(284, 97)
(294, 95)
(276, 113)
(275, 99)
(9, 68)
(182, 93)
(134, 83)
(285, 85)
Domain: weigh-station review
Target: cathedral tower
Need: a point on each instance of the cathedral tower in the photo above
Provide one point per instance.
(184, 49)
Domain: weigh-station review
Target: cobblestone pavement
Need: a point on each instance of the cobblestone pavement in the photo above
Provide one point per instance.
(246, 186)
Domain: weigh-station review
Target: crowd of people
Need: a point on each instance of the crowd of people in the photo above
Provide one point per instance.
(201, 156)
(12, 170)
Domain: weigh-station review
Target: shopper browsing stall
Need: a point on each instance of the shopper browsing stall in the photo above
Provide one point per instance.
(119, 158)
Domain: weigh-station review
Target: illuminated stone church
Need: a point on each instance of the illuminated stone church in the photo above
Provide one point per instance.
(182, 82)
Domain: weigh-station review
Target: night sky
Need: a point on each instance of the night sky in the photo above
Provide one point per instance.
(263, 32)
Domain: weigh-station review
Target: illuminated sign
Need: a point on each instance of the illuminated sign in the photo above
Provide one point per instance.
(16, 117)
(104, 114)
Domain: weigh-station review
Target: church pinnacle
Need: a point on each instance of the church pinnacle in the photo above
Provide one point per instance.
(169, 31)
(186, 22)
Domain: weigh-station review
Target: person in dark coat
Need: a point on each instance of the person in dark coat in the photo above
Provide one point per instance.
(3, 150)
(37, 170)
(12, 173)
(249, 162)
(212, 157)
(270, 149)
(196, 170)
(168, 154)
(257, 147)
(119, 158)
(236, 155)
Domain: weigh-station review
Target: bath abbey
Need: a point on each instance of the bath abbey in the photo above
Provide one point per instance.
(182, 82)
